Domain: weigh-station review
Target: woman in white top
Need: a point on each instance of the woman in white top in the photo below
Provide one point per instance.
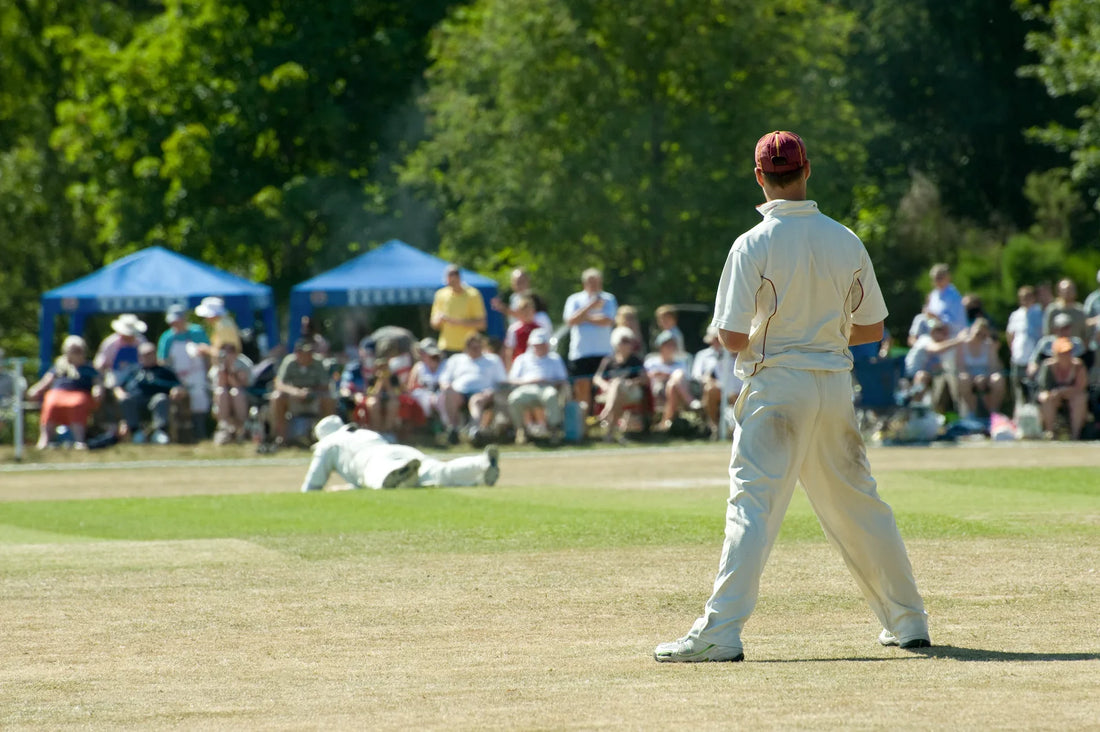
(422, 381)
(980, 369)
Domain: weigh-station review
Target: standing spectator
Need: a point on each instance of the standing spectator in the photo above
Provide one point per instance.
(458, 311)
(70, 392)
(1066, 304)
(147, 391)
(979, 369)
(302, 387)
(667, 322)
(972, 304)
(1044, 295)
(622, 383)
(521, 288)
(534, 403)
(181, 348)
(1063, 382)
(1092, 312)
(118, 353)
(470, 379)
(422, 382)
(590, 315)
(944, 301)
(223, 329)
(230, 377)
(668, 379)
(1024, 329)
(515, 340)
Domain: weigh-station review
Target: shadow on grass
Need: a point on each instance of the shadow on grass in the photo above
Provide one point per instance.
(954, 653)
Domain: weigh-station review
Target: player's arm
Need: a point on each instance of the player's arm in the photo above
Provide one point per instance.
(733, 341)
(319, 469)
(865, 333)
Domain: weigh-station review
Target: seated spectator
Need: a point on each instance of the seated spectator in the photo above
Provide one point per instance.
(302, 388)
(538, 376)
(515, 339)
(1063, 382)
(70, 391)
(469, 379)
(1061, 327)
(667, 322)
(668, 377)
(370, 390)
(713, 373)
(182, 349)
(621, 382)
(927, 366)
(627, 317)
(309, 330)
(118, 353)
(921, 325)
(980, 369)
(147, 391)
(422, 383)
(230, 377)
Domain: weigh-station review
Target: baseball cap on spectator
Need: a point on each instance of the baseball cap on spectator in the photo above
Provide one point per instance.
(621, 334)
(538, 337)
(1062, 345)
(664, 337)
(128, 324)
(428, 346)
(1061, 320)
(367, 344)
(175, 314)
(211, 307)
(452, 269)
(780, 152)
(305, 344)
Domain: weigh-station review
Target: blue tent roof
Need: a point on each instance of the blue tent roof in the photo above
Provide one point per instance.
(393, 274)
(151, 280)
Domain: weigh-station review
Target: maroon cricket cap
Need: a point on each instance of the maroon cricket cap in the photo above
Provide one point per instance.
(780, 152)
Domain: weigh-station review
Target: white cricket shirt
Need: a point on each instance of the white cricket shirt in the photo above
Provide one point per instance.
(795, 283)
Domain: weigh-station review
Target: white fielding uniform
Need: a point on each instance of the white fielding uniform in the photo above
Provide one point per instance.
(364, 458)
(795, 283)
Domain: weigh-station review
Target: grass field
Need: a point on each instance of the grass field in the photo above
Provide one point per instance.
(214, 596)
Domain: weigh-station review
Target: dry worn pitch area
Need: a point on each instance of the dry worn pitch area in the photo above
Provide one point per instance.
(227, 634)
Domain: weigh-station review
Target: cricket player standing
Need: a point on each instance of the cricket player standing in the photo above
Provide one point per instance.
(366, 460)
(796, 291)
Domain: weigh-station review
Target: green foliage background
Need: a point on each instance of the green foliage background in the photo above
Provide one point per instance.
(277, 139)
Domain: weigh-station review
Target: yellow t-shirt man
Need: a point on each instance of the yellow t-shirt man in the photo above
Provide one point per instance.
(457, 314)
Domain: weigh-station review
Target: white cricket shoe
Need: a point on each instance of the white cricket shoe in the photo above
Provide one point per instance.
(407, 475)
(692, 650)
(887, 638)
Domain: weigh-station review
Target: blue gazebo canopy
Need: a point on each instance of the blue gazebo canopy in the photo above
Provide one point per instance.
(152, 280)
(393, 274)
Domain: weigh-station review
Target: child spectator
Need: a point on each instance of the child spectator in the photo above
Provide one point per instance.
(667, 323)
(621, 381)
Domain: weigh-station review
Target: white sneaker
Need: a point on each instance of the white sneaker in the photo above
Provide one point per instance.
(887, 638)
(407, 475)
(691, 650)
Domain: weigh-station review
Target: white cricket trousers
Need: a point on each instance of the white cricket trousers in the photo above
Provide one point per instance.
(376, 462)
(792, 425)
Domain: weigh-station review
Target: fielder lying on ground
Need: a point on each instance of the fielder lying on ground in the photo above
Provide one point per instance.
(366, 460)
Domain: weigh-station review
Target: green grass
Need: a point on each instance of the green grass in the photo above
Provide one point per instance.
(929, 504)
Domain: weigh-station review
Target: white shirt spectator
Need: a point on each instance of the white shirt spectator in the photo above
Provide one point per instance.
(947, 305)
(530, 368)
(470, 375)
(588, 339)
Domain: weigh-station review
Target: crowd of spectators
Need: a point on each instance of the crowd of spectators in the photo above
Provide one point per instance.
(956, 361)
(457, 385)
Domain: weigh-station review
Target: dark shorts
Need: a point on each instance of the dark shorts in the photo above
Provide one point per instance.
(585, 368)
